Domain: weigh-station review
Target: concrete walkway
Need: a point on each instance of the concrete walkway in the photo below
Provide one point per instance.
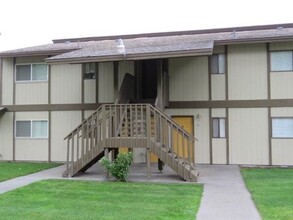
(225, 196)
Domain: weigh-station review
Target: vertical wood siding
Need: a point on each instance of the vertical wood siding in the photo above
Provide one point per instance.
(218, 84)
(65, 84)
(106, 82)
(6, 136)
(247, 67)
(219, 150)
(248, 136)
(188, 79)
(281, 85)
(62, 123)
(7, 83)
(31, 93)
(89, 91)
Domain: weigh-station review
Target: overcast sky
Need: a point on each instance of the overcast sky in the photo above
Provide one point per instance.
(33, 22)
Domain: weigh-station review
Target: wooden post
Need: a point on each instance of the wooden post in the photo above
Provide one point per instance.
(107, 157)
(149, 163)
(148, 127)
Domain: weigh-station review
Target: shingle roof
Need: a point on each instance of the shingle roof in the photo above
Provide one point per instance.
(157, 45)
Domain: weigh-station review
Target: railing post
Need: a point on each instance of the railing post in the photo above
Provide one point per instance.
(67, 165)
(148, 127)
(103, 126)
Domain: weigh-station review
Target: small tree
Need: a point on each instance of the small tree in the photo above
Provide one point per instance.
(119, 168)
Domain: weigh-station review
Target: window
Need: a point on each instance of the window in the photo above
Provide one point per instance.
(219, 127)
(31, 129)
(282, 61)
(282, 127)
(89, 71)
(31, 72)
(218, 64)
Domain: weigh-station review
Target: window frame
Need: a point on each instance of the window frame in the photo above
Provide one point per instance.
(276, 51)
(218, 136)
(90, 72)
(31, 128)
(31, 73)
(273, 137)
(218, 64)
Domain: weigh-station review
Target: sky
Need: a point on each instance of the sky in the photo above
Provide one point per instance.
(25, 23)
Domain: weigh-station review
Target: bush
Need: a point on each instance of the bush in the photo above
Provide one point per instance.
(119, 168)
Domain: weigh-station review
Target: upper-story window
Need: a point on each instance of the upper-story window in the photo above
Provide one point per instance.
(282, 61)
(89, 71)
(31, 72)
(218, 63)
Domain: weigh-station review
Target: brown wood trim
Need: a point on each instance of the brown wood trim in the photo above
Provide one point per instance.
(97, 82)
(13, 88)
(116, 78)
(49, 84)
(268, 71)
(82, 66)
(49, 135)
(270, 136)
(54, 107)
(211, 136)
(13, 136)
(227, 73)
(227, 137)
(233, 104)
(210, 78)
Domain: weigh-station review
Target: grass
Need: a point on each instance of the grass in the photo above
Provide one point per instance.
(10, 170)
(64, 199)
(272, 191)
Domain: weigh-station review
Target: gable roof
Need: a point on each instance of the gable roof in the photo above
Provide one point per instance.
(153, 45)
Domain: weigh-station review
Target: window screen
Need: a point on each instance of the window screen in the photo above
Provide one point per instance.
(282, 127)
(23, 129)
(219, 128)
(281, 61)
(23, 72)
(32, 129)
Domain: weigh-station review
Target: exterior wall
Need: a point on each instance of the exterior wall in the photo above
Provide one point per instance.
(188, 79)
(247, 72)
(201, 131)
(6, 136)
(248, 136)
(218, 84)
(62, 123)
(106, 82)
(281, 85)
(31, 93)
(65, 84)
(29, 148)
(89, 91)
(7, 82)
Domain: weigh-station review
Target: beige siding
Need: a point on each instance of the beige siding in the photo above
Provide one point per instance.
(106, 82)
(282, 112)
(88, 114)
(248, 136)
(125, 67)
(62, 123)
(31, 149)
(281, 45)
(218, 112)
(21, 60)
(219, 150)
(7, 91)
(31, 93)
(188, 79)
(201, 131)
(65, 84)
(281, 85)
(6, 136)
(247, 71)
(282, 151)
(218, 85)
(89, 91)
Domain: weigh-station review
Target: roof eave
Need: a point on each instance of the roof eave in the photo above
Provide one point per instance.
(253, 40)
(35, 53)
(141, 56)
(2, 110)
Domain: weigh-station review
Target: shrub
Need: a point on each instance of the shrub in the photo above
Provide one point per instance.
(119, 168)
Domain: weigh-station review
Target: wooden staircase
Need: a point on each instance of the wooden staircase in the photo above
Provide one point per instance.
(133, 126)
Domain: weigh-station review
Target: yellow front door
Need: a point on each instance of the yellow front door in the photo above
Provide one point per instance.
(186, 122)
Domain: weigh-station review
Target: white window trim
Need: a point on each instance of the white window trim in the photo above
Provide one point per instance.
(31, 121)
(219, 127)
(31, 75)
(218, 64)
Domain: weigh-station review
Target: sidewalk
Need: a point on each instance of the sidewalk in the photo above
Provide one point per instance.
(225, 196)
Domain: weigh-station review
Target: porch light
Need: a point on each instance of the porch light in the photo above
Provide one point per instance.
(121, 47)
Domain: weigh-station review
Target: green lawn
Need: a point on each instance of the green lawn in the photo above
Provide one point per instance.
(69, 199)
(272, 191)
(11, 170)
